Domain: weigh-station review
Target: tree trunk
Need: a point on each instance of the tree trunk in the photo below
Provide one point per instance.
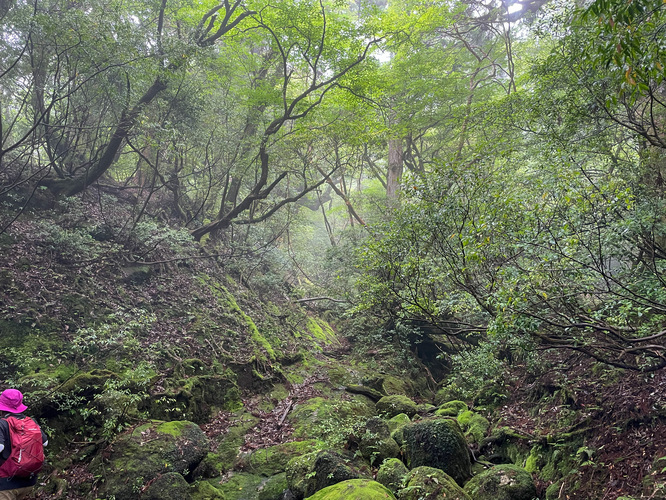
(394, 168)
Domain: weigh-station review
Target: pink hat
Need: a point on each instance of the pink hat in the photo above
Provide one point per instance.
(11, 400)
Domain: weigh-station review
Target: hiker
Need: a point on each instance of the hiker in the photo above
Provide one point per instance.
(18, 470)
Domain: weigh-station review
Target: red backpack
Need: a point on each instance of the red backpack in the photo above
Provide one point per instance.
(27, 451)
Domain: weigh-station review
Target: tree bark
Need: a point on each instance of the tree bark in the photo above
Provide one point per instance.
(395, 166)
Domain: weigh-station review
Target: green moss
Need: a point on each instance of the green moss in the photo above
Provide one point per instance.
(437, 443)
(354, 489)
(273, 487)
(321, 330)
(474, 426)
(223, 294)
(273, 460)
(174, 429)
(330, 421)
(400, 420)
(429, 482)
(391, 406)
(452, 408)
(240, 486)
(392, 473)
(502, 482)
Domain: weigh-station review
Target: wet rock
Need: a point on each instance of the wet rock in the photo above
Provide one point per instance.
(433, 484)
(437, 443)
(392, 473)
(354, 489)
(136, 458)
(502, 482)
(390, 406)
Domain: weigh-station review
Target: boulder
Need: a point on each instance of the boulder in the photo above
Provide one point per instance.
(169, 485)
(152, 450)
(374, 441)
(354, 489)
(437, 443)
(390, 406)
(474, 426)
(451, 408)
(315, 471)
(502, 482)
(433, 484)
(400, 420)
(392, 473)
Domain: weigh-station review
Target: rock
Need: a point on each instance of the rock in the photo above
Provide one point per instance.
(169, 485)
(273, 460)
(390, 406)
(154, 449)
(391, 474)
(400, 420)
(433, 484)
(502, 482)
(326, 419)
(474, 426)
(298, 472)
(354, 489)
(374, 441)
(437, 443)
(273, 488)
(314, 471)
(451, 408)
(365, 391)
(196, 397)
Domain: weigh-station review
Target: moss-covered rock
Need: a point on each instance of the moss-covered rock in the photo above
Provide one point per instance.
(314, 471)
(169, 485)
(437, 443)
(354, 489)
(196, 397)
(328, 420)
(273, 460)
(502, 482)
(400, 420)
(299, 473)
(240, 486)
(374, 441)
(433, 484)
(474, 426)
(365, 391)
(392, 474)
(156, 448)
(390, 406)
(451, 408)
(273, 488)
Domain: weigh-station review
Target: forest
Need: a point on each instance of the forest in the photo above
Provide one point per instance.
(336, 249)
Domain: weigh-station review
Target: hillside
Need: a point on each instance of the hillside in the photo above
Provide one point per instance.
(109, 332)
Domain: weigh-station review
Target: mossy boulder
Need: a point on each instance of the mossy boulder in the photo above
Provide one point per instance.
(400, 420)
(273, 460)
(327, 419)
(273, 488)
(451, 408)
(354, 489)
(437, 443)
(474, 426)
(169, 485)
(392, 473)
(502, 482)
(390, 406)
(374, 442)
(433, 484)
(369, 392)
(153, 449)
(195, 398)
(314, 471)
